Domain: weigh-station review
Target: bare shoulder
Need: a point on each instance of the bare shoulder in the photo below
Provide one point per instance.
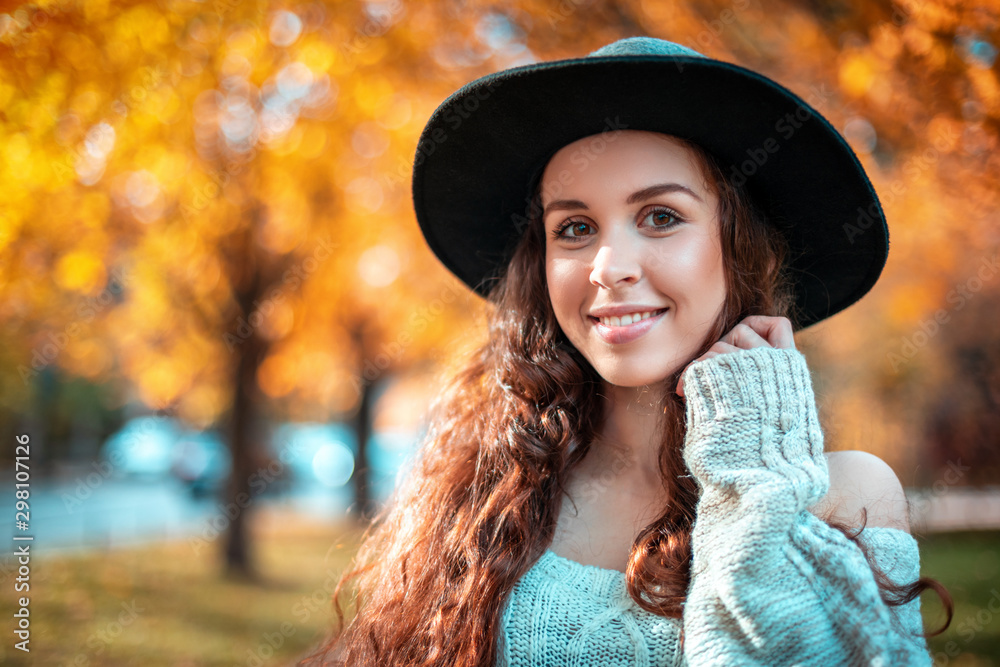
(862, 481)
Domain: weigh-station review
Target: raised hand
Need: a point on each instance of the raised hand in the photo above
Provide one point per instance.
(753, 331)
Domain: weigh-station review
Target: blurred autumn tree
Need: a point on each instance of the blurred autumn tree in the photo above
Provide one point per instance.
(210, 201)
(234, 176)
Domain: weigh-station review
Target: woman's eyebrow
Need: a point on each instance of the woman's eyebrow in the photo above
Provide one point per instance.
(662, 188)
(634, 198)
(563, 205)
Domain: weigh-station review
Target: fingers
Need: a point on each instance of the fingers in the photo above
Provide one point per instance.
(753, 331)
(777, 331)
(744, 337)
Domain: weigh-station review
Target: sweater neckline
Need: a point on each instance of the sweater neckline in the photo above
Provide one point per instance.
(596, 569)
(563, 565)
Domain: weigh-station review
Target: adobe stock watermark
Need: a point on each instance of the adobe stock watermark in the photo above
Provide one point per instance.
(912, 168)
(47, 351)
(99, 640)
(920, 503)
(958, 296)
(454, 116)
(593, 490)
(381, 17)
(218, 180)
(393, 351)
(785, 127)
(291, 279)
(103, 470)
(581, 158)
(968, 628)
(258, 481)
(714, 28)
(85, 486)
(302, 611)
(18, 26)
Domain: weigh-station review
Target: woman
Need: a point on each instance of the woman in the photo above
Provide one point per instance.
(647, 224)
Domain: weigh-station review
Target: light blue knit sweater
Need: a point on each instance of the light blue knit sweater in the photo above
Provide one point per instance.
(771, 584)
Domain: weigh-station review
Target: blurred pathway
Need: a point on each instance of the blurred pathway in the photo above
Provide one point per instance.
(951, 509)
(82, 509)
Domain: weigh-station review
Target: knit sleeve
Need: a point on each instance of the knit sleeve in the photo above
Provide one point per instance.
(771, 584)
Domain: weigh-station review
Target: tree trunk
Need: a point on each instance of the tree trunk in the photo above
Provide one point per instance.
(245, 273)
(364, 505)
(238, 556)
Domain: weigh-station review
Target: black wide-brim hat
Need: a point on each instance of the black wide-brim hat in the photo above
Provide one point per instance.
(482, 150)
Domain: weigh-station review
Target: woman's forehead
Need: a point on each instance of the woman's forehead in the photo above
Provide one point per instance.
(629, 160)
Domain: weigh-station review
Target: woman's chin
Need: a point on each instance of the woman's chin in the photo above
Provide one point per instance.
(637, 377)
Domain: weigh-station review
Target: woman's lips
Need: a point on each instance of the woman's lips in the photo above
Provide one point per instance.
(628, 332)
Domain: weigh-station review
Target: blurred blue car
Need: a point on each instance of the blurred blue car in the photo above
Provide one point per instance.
(155, 447)
(316, 455)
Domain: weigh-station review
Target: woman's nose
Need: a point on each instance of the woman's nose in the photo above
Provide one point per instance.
(616, 264)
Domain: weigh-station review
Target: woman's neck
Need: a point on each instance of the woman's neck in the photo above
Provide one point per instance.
(628, 442)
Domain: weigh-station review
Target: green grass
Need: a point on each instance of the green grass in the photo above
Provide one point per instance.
(968, 564)
(187, 614)
(169, 604)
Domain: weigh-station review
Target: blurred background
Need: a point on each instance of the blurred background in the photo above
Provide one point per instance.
(220, 327)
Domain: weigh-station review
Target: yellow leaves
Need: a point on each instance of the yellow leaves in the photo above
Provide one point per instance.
(79, 51)
(289, 143)
(857, 74)
(95, 10)
(16, 151)
(370, 93)
(277, 375)
(364, 195)
(285, 226)
(886, 41)
(395, 113)
(145, 24)
(911, 301)
(91, 209)
(203, 404)
(278, 318)
(286, 216)
(246, 43)
(86, 100)
(923, 44)
(50, 95)
(984, 82)
(165, 105)
(80, 271)
(87, 358)
(9, 228)
(169, 166)
(943, 133)
(161, 381)
(314, 140)
(804, 31)
(7, 92)
(317, 56)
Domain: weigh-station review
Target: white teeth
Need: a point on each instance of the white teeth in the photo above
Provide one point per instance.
(625, 320)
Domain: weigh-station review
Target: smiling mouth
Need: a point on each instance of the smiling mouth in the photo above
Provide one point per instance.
(626, 320)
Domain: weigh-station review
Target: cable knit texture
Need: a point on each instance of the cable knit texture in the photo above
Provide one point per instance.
(771, 584)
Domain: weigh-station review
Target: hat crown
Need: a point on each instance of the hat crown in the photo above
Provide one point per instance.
(644, 46)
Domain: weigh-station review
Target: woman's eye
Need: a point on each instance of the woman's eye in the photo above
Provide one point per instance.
(573, 229)
(662, 218)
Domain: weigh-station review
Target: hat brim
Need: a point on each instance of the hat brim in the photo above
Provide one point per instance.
(480, 148)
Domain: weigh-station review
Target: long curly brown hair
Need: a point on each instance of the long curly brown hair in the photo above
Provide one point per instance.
(481, 502)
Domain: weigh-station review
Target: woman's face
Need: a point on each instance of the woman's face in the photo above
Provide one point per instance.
(633, 258)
